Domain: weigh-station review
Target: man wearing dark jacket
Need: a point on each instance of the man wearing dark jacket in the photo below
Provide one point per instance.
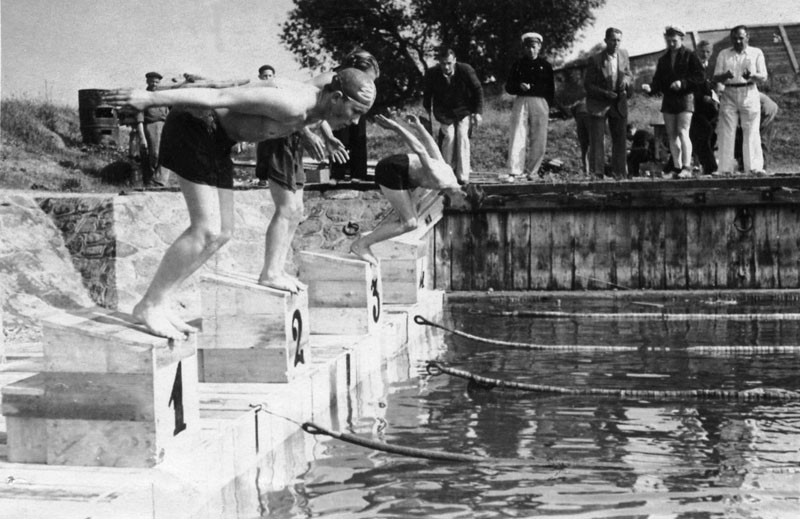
(607, 82)
(531, 80)
(455, 96)
(706, 107)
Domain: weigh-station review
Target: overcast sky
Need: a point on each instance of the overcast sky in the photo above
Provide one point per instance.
(56, 47)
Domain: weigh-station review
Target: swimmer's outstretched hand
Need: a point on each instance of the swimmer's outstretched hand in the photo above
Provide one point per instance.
(197, 81)
(413, 120)
(138, 99)
(386, 122)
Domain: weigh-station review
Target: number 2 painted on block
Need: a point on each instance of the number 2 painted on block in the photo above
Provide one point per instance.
(376, 308)
(176, 401)
(297, 336)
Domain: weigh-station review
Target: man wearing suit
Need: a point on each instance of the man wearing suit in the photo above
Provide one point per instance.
(704, 120)
(608, 82)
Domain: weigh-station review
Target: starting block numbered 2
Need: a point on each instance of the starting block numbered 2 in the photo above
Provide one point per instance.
(344, 293)
(111, 395)
(251, 333)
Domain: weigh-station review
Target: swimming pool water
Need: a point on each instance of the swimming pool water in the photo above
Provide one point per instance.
(660, 459)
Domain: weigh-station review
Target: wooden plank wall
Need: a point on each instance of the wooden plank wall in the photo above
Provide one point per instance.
(600, 248)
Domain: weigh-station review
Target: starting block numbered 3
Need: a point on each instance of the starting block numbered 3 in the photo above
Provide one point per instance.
(345, 294)
(111, 395)
(251, 333)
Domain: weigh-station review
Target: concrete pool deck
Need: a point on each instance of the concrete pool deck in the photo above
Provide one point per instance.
(248, 437)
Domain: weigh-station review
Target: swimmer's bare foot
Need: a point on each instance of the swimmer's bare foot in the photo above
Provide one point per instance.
(364, 253)
(155, 319)
(283, 282)
(179, 324)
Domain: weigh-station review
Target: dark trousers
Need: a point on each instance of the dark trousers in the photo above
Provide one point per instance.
(582, 127)
(151, 168)
(597, 148)
(703, 138)
(354, 137)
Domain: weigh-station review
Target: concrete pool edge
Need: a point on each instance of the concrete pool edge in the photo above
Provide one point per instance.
(241, 424)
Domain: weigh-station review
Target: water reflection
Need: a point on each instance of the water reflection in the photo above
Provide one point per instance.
(633, 458)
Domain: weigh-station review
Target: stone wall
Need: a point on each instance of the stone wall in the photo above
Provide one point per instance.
(117, 242)
(36, 270)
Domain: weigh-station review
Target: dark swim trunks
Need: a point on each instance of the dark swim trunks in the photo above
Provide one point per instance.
(392, 173)
(281, 161)
(196, 149)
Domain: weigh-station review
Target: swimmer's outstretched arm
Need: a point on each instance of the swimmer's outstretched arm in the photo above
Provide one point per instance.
(411, 139)
(276, 103)
(425, 137)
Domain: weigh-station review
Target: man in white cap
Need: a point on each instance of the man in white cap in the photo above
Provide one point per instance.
(531, 80)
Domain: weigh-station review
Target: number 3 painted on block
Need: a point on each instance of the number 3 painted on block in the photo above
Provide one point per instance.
(376, 308)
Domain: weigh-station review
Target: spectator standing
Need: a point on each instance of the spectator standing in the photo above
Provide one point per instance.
(149, 125)
(607, 83)
(454, 96)
(739, 69)
(769, 110)
(582, 128)
(678, 75)
(531, 80)
(706, 108)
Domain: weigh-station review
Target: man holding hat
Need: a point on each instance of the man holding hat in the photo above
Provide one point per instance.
(531, 80)
(149, 124)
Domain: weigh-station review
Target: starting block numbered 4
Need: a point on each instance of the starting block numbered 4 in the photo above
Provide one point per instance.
(251, 333)
(112, 395)
(344, 293)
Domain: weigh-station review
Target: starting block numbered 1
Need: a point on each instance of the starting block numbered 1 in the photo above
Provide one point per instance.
(251, 333)
(111, 395)
(345, 294)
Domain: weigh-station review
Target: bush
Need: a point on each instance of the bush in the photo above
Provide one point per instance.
(39, 125)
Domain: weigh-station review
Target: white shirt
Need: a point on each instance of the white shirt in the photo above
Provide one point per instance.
(613, 68)
(751, 59)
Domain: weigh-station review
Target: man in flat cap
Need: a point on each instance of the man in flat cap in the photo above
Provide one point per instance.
(149, 123)
(531, 80)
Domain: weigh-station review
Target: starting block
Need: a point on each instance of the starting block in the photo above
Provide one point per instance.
(111, 395)
(344, 293)
(251, 333)
(404, 262)
(404, 259)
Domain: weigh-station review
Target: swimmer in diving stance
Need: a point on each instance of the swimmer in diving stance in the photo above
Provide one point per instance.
(398, 175)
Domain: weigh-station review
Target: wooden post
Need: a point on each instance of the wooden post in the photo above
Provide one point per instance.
(789, 49)
(251, 333)
(111, 395)
(345, 296)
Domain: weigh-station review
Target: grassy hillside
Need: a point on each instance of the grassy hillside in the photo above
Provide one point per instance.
(42, 148)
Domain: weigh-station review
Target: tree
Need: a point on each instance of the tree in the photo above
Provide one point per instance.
(402, 34)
